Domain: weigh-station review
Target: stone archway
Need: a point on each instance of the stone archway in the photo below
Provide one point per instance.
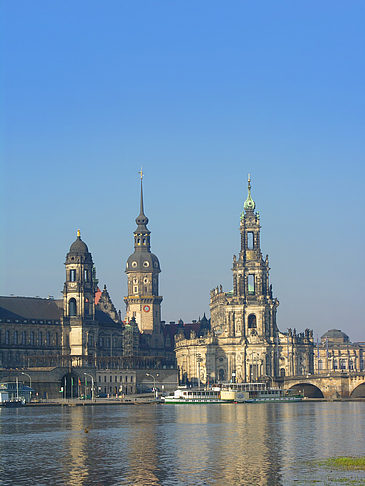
(70, 386)
(358, 392)
(309, 390)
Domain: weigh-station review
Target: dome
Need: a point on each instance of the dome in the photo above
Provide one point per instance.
(335, 335)
(79, 247)
(141, 261)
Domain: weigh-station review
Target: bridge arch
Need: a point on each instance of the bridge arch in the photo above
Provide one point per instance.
(359, 391)
(308, 389)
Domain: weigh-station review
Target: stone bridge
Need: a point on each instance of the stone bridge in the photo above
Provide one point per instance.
(331, 385)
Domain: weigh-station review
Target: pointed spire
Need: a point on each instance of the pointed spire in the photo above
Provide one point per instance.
(142, 219)
(249, 204)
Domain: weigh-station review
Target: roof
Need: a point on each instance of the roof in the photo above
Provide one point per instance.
(104, 319)
(335, 334)
(30, 308)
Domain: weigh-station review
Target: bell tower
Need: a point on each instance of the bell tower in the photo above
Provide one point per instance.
(251, 285)
(78, 301)
(143, 302)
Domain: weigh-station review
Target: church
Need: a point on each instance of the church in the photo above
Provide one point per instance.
(59, 340)
(244, 343)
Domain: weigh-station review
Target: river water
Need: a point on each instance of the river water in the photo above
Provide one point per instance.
(217, 444)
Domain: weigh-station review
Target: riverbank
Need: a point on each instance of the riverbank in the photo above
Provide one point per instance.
(145, 399)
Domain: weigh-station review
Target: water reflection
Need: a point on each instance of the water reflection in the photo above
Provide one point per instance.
(176, 444)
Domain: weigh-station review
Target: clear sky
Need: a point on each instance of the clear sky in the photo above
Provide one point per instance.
(199, 93)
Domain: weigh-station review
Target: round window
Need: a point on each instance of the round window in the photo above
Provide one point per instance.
(146, 308)
(145, 280)
(146, 264)
(134, 264)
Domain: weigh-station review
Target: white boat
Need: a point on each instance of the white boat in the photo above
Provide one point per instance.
(196, 396)
(256, 393)
(231, 393)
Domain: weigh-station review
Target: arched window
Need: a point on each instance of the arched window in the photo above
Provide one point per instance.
(72, 307)
(56, 338)
(221, 374)
(252, 321)
(282, 372)
(48, 338)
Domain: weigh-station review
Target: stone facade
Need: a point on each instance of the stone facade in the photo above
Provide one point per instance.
(143, 303)
(244, 342)
(84, 331)
(335, 353)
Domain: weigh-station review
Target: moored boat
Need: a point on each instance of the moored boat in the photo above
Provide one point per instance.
(16, 403)
(257, 393)
(196, 396)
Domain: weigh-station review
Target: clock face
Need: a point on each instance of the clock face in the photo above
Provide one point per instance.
(146, 308)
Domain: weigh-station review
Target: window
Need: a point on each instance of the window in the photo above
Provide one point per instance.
(335, 364)
(15, 337)
(48, 338)
(32, 338)
(342, 364)
(24, 337)
(111, 378)
(40, 338)
(86, 275)
(135, 290)
(72, 307)
(7, 337)
(320, 364)
(250, 244)
(252, 321)
(251, 284)
(86, 306)
(73, 275)
(56, 338)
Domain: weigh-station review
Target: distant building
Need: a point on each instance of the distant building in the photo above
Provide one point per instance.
(244, 342)
(335, 353)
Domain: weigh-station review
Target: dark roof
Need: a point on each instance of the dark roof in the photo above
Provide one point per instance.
(79, 247)
(105, 319)
(30, 308)
(334, 333)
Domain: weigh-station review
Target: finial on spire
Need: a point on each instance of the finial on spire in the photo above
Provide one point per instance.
(78, 233)
(249, 203)
(142, 218)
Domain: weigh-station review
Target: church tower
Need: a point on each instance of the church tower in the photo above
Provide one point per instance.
(143, 302)
(78, 297)
(251, 285)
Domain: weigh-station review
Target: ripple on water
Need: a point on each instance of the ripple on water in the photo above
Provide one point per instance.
(253, 444)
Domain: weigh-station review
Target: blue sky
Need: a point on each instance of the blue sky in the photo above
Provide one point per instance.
(199, 94)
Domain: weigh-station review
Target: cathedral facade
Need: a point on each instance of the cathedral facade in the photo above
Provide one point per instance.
(244, 343)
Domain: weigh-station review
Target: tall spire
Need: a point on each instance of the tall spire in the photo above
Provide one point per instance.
(142, 219)
(249, 204)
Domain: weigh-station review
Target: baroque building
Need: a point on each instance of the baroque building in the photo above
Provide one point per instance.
(60, 341)
(143, 303)
(244, 342)
(335, 353)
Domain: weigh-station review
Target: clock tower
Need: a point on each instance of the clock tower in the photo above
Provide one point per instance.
(143, 302)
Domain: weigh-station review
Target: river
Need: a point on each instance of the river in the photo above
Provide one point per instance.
(217, 444)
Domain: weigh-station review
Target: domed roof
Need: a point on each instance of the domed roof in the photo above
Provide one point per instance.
(78, 247)
(143, 261)
(335, 335)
